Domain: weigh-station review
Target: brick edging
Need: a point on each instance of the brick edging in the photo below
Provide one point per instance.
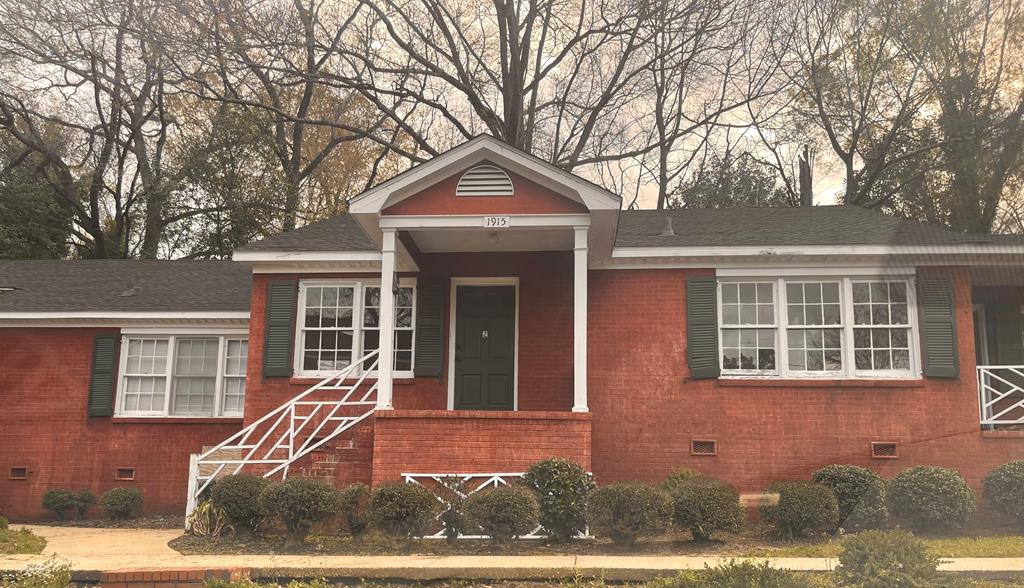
(190, 577)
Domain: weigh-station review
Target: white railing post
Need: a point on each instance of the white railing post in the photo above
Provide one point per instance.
(579, 320)
(193, 484)
(386, 360)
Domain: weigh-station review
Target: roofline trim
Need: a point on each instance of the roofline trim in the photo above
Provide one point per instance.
(100, 315)
(277, 255)
(629, 252)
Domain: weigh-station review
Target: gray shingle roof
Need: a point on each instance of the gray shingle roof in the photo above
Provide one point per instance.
(778, 227)
(339, 233)
(155, 286)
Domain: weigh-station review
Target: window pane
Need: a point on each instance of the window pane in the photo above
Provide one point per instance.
(748, 349)
(195, 376)
(730, 293)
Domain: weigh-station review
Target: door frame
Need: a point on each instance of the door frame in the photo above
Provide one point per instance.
(452, 299)
(980, 312)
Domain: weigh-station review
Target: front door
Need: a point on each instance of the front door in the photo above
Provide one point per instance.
(485, 347)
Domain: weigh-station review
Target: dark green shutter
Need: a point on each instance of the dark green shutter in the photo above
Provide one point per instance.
(702, 327)
(277, 351)
(937, 310)
(101, 382)
(1009, 343)
(429, 329)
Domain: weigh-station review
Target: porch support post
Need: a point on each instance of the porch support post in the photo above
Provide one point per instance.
(579, 320)
(387, 321)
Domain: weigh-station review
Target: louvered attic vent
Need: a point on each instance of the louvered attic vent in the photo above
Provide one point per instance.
(484, 180)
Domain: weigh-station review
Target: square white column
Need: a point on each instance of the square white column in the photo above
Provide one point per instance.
(385, 359)
(579, 320)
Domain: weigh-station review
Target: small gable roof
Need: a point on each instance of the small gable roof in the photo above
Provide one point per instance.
(124, 285)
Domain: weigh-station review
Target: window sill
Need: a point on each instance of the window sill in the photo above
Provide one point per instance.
(160, 420)
(402, 380)
(741, 382)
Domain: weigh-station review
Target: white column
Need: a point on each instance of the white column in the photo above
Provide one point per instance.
(387, 321)
(579, 320)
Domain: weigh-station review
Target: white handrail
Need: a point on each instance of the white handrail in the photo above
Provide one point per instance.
(1001, 394)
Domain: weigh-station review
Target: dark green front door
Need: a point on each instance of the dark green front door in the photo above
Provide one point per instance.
(485, 347)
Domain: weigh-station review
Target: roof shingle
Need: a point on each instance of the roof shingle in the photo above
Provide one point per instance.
(339, 233)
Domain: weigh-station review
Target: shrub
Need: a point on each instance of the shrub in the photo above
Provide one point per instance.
(300, 503)
(239, 497)
(562, 488)
(677, 477)
(883, 559)
(122, 503)
(1003, 489)
(4, 523)
(706, 505)
(802, 507)
(504, 513)
(52, 573)
(403, 510)
(930, 498)
(60, 501)
(625, 512)
(743, 574)
(353, 499)
(84, 500)
(207, 520)
(452, 518)
(860, 494)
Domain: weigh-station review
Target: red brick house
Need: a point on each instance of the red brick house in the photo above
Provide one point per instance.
(532, 317)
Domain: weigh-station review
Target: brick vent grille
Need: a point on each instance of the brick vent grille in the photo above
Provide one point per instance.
(703, 447)
(127, 474)
(18, 473)
(884, 450)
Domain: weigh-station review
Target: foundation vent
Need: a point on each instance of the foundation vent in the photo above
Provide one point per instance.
(484, 180)
(703, 447)
(126, 474)
(18, 473)
(884, 450)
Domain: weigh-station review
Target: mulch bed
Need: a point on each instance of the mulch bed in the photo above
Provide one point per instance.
(146, 522)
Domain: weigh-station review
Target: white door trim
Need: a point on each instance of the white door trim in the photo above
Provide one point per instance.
(452, 298)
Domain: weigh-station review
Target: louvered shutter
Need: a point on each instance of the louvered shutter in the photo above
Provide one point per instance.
(277, 350)
(101, 382)
(702, 327)
(429, 331)
(937, 316)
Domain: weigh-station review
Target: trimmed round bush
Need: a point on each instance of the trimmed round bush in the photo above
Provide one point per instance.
(705, 505)
(627, 511)
(562, 487)
(677, 477)
(403, 510)
(884, 559)
(928, 498)
(1003, 489)
(122, 503)
(802, 507)
(84, 500)
(353, 501)
(238, 497)
(300, 503)
(60, 501)
(860, 494)
(504, 513)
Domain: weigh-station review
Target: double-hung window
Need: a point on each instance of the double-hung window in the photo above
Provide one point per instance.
(339, 322)
(182, 375)
(817, 327)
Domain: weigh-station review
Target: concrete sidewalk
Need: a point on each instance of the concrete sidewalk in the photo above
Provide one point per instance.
(107, 550)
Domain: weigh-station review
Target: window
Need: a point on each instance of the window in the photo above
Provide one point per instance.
(184, 375)
(340, 323)
(839, 327)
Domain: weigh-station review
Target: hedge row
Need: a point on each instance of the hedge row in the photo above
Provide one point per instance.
(119, 503)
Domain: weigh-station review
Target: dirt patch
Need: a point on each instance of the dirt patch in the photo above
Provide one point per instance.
(146, 522)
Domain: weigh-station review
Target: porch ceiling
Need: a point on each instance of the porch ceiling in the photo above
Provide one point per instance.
(1003, 275)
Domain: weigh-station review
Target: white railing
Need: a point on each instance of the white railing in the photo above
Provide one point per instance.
(448, 487)
(1001, 394)
(268, 446)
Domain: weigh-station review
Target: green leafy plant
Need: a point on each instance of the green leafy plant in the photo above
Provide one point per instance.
(625, 512)
(801, 507)
(742, 574)
(1003, 490)
(403, 510)
(84, 500)
(52, 573)
(679, 476)
(860, 494)
(122, 503)
(4, 523)
(354, 499)
(503, 513)
(300, 503)
(207, 520)
(60, 501)
(452, 517)
(705, 505)
(562, 487)
(929, 498)
(886, 559)
(238, 497)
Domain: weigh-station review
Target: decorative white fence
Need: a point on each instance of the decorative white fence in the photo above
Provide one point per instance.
(1001, 394)
(449, 487)
(291, 431)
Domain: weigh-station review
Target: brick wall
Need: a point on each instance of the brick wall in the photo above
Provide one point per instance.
(44, 387)
(646, 410)
(430, 442)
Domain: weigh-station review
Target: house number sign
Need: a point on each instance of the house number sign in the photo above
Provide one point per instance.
(496, 222)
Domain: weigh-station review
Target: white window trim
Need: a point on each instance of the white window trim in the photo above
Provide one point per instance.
(849, 371)
(172, 342)
(357, 325)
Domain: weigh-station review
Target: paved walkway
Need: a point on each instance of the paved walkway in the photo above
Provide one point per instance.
(146, 549)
